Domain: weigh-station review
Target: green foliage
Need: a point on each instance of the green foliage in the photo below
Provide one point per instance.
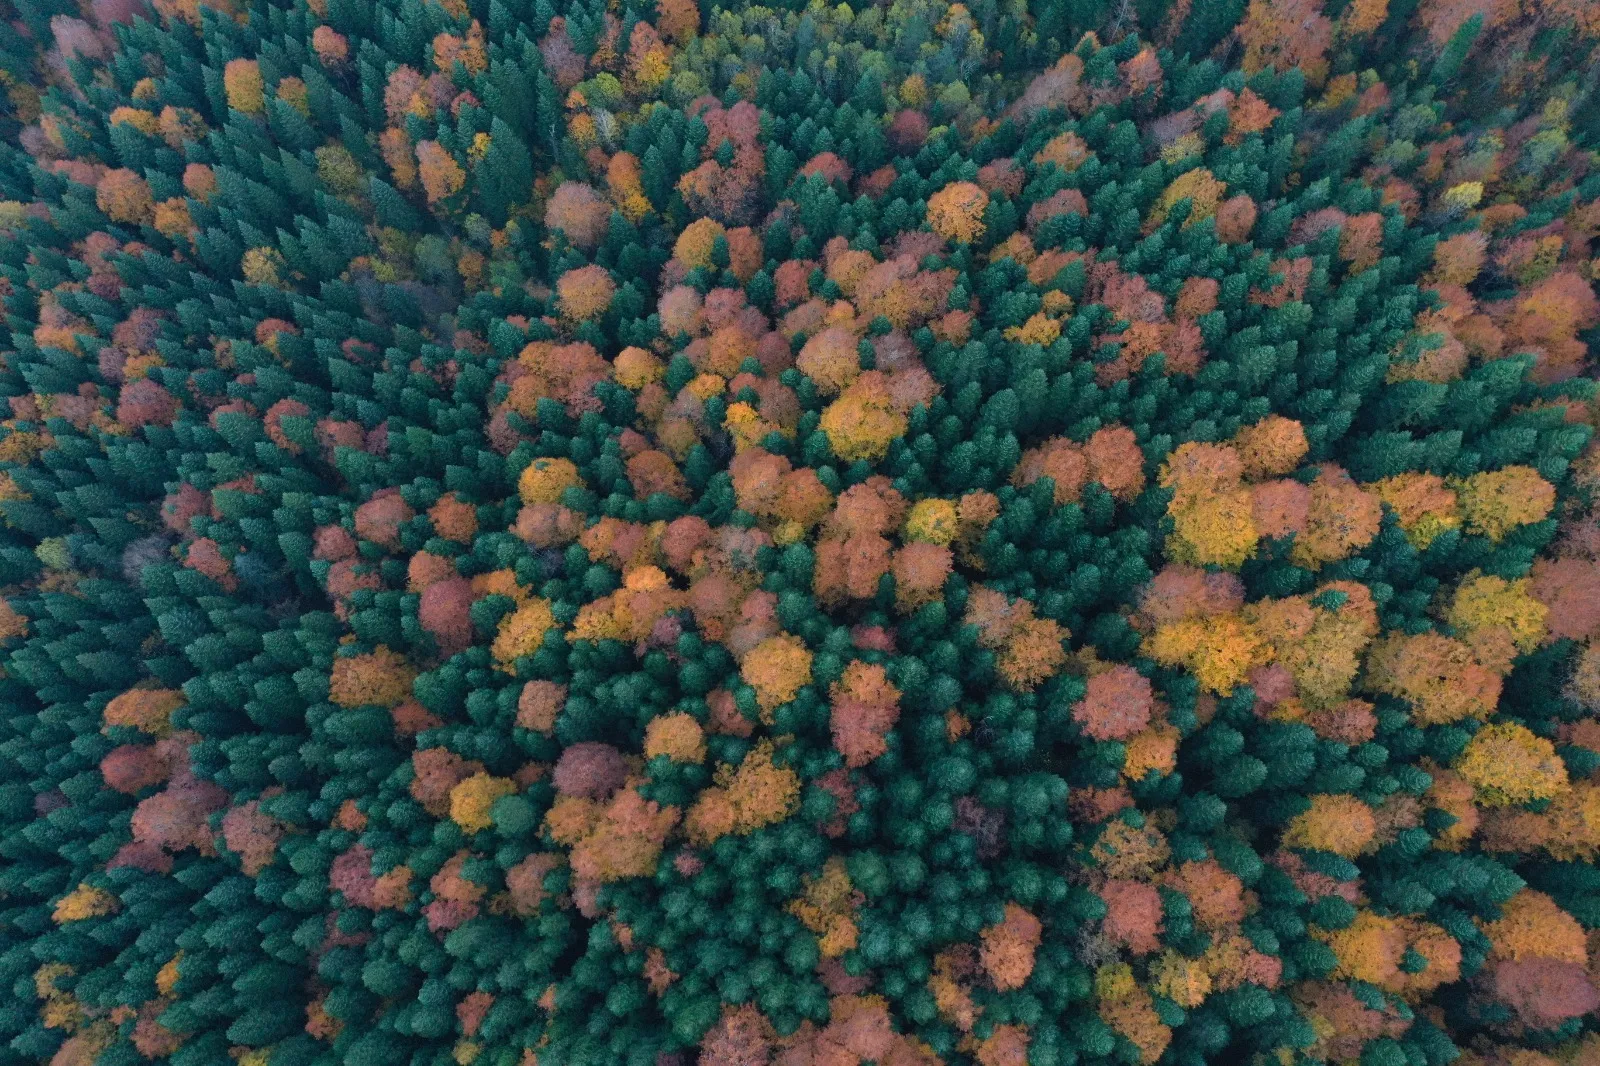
(932, 533)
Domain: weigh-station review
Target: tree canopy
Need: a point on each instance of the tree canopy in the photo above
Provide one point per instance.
(550, 533)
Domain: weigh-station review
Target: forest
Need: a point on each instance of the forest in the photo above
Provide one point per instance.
(924, 533)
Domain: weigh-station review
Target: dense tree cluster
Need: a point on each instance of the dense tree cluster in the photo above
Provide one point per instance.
(1028, 533)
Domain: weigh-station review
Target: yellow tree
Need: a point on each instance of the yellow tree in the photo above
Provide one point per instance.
(955, 212)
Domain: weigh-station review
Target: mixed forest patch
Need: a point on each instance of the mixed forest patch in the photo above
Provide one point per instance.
(561, 533)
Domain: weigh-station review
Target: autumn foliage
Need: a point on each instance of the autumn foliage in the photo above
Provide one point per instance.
(915, 534)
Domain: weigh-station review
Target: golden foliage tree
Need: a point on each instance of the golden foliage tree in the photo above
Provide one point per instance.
(955, 212)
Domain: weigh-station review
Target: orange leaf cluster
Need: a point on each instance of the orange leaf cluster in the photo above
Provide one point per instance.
(1029, 649)
(585, 293)
(865, 706)
(381, 677)
(442, 177)
(124, 196)
(626, 839)
(828, 907)
(1439, 676)
(1338, 823)
(1372, 948)
(955, 212)
(755, 794)
(1008, 948)
(148, 710)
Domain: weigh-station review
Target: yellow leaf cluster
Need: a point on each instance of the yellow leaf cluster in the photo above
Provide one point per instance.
(262, 266)
(1211, 510)
(471, 799)
(1487, 601)
(522, 631)
(696, 242)
(1509, 764)
(85, 901)
(1220, 650)
(933, 520)
(1496, 502)
(827, 908)
(777, 668)
(545, 480)
(955, 212)
(1338, 823)
(241, 80)
(863, 421)
(1184, 981)
(1200, 187)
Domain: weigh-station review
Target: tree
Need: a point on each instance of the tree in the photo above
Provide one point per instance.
(124, 197)
(441, 175)
(585, 293)
(1037, 534)
(1283, 34)
(1495, 502)
(578, 211)
(1440, 677)
(246, 90)
(777, 669)
(955, 212)
(332, 47)
(148, 710)
(1009, 947)
(678, 20)
(1116, 706)
(1337, 823)
(1200, 187)
(829, 359)
(864, 420)
(865, 706)
(522, 632)
(1508, 764)
(754, 794)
